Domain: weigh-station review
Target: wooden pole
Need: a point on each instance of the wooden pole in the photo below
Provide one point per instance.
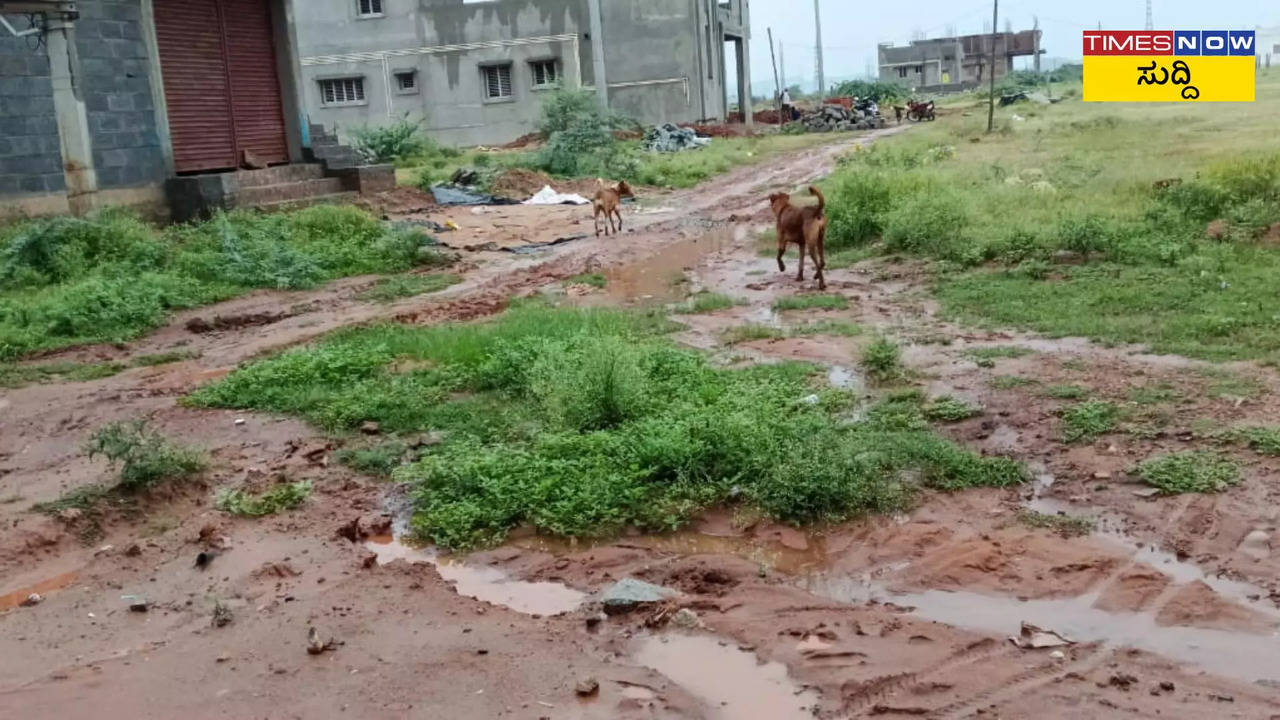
(777, 94)
(991, 102)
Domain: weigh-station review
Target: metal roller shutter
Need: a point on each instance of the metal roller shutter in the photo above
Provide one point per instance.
(220, 83)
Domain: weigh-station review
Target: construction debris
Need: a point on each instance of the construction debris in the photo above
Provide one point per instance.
(864, 115)
(672, 138)
(1036, 638)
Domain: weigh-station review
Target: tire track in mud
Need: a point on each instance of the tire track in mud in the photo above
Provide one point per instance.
(872, 692)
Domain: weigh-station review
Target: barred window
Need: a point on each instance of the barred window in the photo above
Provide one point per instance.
(497, 81)
(369, 7)
(545, 72)
(407, 81)
(342, 91)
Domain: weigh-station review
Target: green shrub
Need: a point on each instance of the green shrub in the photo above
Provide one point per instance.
(145, 457)
(43, 252)
(397, 140)
(1190, 471)
(856, 205)
(931, 224)
(883, 359)
(285, 496)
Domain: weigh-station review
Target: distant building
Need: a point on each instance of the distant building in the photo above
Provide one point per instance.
(1268, 46)
(954, 63)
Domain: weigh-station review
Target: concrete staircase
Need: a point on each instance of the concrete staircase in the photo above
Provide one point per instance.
(332, 173)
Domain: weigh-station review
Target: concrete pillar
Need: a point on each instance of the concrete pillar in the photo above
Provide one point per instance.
(69, 110)
(597, 52)
(743, 47)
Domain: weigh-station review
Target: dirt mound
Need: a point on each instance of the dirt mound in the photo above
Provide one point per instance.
(400, 201)
(524, 141)
(1197, 605)
(1133, 590)
(522, 183)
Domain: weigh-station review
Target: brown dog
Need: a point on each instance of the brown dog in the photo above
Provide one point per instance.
(804, 226)
(608, 200)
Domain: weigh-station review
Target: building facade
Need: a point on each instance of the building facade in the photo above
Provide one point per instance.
(183, 106)
(955, 63)
(474, 72)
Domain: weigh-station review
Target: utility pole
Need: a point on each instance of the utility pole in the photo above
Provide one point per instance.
(777, 93)
(991, 102)
(817, 25)
(1035, 33)
(782, 64)
(1150, 25)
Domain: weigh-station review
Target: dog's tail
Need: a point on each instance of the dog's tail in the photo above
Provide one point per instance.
(822, 201)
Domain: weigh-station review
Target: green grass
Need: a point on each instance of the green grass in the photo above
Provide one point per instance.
(1085, 421)
(164, 358)
(1066, 392)
(999, 351)
(14, 375)
(111, 277)
(1010, 382)
(749, 332)
(811, 302)
(1227, 385)
(397, 287)
(993, 210)
(1262, 439)
(706, 302)
(839, 328)
(595, 280)
(1191, 471)
(285, 496)
(583, 423)
(1065, 525)
(378, 460)
(1156, 394)
(145, 457)
(882, 359)
(950, 409)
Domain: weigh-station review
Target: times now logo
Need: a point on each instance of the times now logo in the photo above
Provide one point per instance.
(1169, 42)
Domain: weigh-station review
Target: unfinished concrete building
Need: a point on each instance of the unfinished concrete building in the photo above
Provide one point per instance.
(955, 63)
(475, 71)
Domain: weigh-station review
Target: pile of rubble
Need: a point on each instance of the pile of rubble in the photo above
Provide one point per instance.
(836, 118)
(673, 138)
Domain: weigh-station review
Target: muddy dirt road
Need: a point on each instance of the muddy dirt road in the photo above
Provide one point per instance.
(1168, 604)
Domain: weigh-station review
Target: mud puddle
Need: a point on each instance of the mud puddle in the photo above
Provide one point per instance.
(659, 279)
(1241, 655)
(733, 683)
(481, 583)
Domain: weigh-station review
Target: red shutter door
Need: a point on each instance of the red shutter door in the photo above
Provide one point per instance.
(255, 87)
(220, 83)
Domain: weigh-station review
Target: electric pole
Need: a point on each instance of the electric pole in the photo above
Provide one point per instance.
(777, 92)
(782, 64)
(1150, 25)
(991, 102)
(1035, 33)
(817, 25)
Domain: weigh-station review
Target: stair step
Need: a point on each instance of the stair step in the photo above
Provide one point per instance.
(280, 174)
(285, 192)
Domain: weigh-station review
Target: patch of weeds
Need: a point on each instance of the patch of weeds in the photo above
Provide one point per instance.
(1065, 525)
(14, 375)
(950, 409)
(164, 358)
(1192, 471)
(1261, 439)
(1087, 420)
(749, 332)
(84, 499)
(1000, 351)
(285, 496)
(595, 280)
(848, 257)
(378, 460)
(706, 302)
(1066, 392)
(1010, 382)
(882, 360)
(754, 273)
(402, 286)
(1223, 384)
(811, 302)
(583, 423)
(145, 457)
(1156, 394)
(841, 328)
(1076, 364)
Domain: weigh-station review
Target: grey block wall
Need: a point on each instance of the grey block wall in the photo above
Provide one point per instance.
(30, 151)
(117, 94)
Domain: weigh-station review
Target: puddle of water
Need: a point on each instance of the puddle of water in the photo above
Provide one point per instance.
(655, 279)
(733, 683)
(11, 600)
(483, 583)
(1244, 656)
(770, 555)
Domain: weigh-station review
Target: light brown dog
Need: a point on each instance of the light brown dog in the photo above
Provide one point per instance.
(608, 200)
(805, 226)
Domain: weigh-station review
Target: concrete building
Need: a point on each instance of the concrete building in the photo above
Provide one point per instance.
(182, 106)
(475, 71)
(954, 63)
(1268, 46)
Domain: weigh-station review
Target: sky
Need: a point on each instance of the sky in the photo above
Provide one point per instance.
(852, 28)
